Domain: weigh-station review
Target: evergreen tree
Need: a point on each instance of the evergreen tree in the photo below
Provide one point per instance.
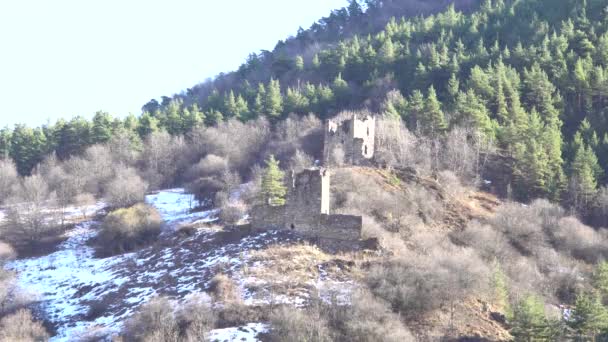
(213, 117)
(273, 184)
(501, 290)
(583, 180)
(102, 128)
(5, 143)
(273, 102)
(415, 108)
(433, 120)
(529, 320)
(299, 63)
(600, 279)
(470, 108)
(589, 317)
(147, 124)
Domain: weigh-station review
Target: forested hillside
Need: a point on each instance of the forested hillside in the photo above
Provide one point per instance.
(527, 75)
(468, 97)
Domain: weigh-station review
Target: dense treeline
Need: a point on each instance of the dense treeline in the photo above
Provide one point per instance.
(527, 75)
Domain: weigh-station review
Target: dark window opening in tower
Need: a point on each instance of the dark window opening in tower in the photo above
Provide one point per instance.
(365, 147)
(368, 131)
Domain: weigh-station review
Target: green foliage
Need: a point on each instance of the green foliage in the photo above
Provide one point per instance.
(600, 279)
(128, 228)
(589, 316)
(529, 75)
(273, 184)
(501, 290)
(530, 322)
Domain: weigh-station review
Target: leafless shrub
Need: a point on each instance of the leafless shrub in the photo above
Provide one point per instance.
(223, 289)
(126, 189)
(450, 183)
(231, 212)
(521, 226)
(240, 143)
(370, 319)
(211, 165)
(6, 253)
(464, 153)
(29, 215)
(490, 243)
(300, 161)
(84, 200)
(196, 317)
(162, 157)
(126, 229)
(7, 289)
(299, 325)
(21, 326)
(415, 286)
(297, 133)
(394, 143)
(125, 147)
(8, 178)
(155, 321)
(579, 240)
(387, 239)
(99, 169)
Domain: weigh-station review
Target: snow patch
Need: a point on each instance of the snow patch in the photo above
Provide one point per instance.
(245, 333)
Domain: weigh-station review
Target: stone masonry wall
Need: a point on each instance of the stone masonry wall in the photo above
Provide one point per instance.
(354, 136)
(307, 210)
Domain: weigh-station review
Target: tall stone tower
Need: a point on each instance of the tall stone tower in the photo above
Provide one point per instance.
(351, 140)
(308, 197)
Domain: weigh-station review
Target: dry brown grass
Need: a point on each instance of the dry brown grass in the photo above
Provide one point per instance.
(292, 270)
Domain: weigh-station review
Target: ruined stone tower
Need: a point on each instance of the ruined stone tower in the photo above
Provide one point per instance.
(307, 211)
(351, 140)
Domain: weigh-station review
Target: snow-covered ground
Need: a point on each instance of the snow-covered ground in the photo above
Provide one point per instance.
(68, 280)
(246, 333)
(79, 293)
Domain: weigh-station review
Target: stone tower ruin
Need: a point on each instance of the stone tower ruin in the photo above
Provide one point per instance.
(349, 139)
(307, 212)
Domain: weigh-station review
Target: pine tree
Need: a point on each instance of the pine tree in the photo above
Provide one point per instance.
(242, 109)
(214, 117)
(147, 124)
(433, 119)
(316, 63)
(387, 52)
(101, 131)
(589, 317)
(192, 118)
(295, 101)
(583, 180)
(471, 108)
(273, 188)
(230, 105)
(529, 320)
(453, 87)
(273, 101)
(501, 290)
(299, 63)
(415, 108)
(600, 279)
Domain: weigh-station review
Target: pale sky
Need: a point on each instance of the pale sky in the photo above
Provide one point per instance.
(62, 58)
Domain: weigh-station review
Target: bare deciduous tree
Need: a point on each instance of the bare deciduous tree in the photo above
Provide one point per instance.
(8, 178)
(126, 189)
(30, 214)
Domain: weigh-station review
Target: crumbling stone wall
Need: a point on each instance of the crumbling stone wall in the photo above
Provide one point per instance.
(354, 136)
(307, 210)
